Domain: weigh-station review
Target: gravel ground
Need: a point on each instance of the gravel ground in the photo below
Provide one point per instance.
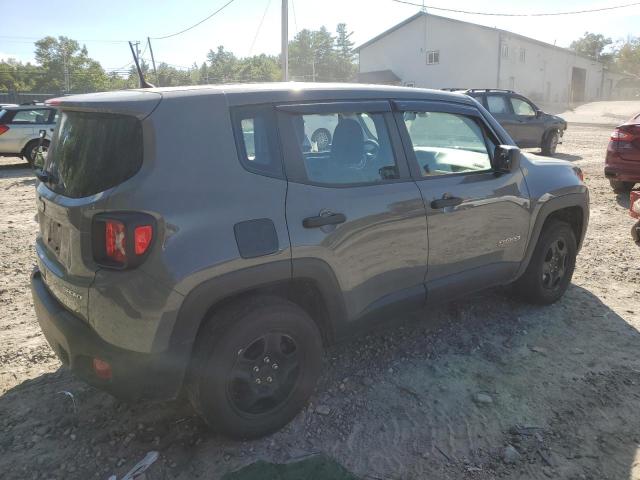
(482, 388)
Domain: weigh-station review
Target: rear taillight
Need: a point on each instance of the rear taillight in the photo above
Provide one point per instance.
(625, 133)
(122, 240)
(4, 128)
(142, 237)
(579, 173)
(114, 241)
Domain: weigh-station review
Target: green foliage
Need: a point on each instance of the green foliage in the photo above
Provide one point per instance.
(628, 57)
(64, 66)
(592, 45)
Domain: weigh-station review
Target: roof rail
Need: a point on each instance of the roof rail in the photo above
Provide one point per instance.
(490, 90)
(454, 89)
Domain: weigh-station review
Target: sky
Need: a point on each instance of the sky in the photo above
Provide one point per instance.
(105, 26)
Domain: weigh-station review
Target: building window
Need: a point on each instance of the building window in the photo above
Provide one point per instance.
(523, 55)
(433, 57)
(504, 49)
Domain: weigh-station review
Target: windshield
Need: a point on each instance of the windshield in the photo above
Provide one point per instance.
(92, 152)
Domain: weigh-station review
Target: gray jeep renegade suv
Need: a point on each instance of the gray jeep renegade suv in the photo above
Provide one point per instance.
(196, 238)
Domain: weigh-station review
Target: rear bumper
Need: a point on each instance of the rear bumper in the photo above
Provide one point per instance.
(617, 169)
(135, 375)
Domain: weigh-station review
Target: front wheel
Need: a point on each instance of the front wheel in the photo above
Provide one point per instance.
(32, 149)
(550, 143)
(255, 366)
(551, 266)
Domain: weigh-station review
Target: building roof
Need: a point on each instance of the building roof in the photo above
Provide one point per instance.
(379, 76)
(420, 14)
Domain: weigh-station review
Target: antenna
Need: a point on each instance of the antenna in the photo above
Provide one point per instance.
(143, 82)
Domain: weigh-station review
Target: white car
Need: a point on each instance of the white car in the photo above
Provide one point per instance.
(20, 130)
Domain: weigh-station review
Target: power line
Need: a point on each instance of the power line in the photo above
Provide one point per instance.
(195, 25)
(255, 37)
(496, 14)
(29, 39)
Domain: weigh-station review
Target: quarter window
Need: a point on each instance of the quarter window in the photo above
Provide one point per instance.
(255, 139)
(497, 104)
(433, 57)
(447, 143)
(345, 148)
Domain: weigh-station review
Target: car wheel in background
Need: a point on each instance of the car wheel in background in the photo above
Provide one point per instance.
(621, 187)
(550, 143)
(31, 149)
(321, 137)
(255, 365)
(551, 266)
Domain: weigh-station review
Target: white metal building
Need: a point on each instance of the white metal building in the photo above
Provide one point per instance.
(437, 52)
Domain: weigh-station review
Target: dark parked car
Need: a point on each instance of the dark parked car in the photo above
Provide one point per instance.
(20, 130)
(529, 126)
(622, 163)
(190, 238)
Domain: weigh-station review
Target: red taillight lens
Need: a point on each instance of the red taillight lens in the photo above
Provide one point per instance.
(102, 369)
(142, 237)
(3, 128)
(115, 241)
(579, 173)
(625, 134)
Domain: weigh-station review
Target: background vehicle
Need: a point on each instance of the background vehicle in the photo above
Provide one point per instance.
(622, 163)
(20, 130)
(232, 281)
(529, 126)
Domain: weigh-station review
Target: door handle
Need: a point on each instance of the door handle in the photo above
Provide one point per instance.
(446, 202)
(322, 220)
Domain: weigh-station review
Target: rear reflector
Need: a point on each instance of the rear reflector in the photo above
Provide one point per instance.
(114, 241)
(3, 128)
(102, 369)
(143, 235)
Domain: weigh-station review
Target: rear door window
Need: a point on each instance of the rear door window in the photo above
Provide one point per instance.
(92, 152)
(497, 104)
(35, 116)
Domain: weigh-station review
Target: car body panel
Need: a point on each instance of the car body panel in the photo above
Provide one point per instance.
(25, 123)
(622, 161)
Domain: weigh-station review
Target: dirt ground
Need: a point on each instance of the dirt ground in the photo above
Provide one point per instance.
(478, 389)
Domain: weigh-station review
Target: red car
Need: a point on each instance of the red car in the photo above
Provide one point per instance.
(622, 164)
(634, 210)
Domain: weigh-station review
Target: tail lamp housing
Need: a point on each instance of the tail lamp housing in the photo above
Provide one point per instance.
(122, 240)
(3, 129)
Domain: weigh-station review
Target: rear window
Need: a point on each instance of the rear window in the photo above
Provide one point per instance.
(92, 152)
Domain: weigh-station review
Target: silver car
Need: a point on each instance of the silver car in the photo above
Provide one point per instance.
(20, 130)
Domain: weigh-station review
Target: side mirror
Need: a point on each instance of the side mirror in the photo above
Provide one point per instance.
(506, 158)
(539, 113)
(43, 134)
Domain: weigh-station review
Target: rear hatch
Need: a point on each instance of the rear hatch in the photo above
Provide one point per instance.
(626, 140)
(97, 145)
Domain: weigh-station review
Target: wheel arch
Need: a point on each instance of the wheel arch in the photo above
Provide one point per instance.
(572, 209)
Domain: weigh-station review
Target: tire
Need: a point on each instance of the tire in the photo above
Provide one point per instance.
(322, 137)
(546, 278)
(621, 187)
(550, 143)
(31, 148)
(254, 367)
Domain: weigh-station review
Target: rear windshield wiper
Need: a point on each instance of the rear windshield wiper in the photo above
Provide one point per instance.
(46, 176)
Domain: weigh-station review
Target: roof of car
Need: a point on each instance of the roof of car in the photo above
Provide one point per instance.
(29, 106)
(254, 93)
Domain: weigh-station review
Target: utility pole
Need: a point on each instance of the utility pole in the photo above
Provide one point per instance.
(285, 40)
(153, 61)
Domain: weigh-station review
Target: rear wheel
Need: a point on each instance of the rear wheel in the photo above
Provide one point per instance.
(31, 150)
(551, 266)
(621, 187)
(255, 366)
(550, 143)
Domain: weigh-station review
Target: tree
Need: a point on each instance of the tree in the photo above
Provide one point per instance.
(259, 68)
(628, 57)
(18, 77)
(592, 45)
(68, 67)
(345, 68)
(222, 66)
